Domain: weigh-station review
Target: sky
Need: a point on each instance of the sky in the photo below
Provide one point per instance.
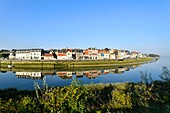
(136, 25)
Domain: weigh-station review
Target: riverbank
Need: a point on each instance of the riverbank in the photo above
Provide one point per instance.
(120, 97)
(70, 63)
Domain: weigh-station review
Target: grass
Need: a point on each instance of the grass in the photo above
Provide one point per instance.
(122, 97)
(71, 64)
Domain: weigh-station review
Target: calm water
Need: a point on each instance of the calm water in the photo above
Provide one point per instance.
(25, 79)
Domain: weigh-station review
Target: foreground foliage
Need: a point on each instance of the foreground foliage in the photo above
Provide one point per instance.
(148, 96)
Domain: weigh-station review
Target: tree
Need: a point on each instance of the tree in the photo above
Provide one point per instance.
(154, 55)
(4, 55)
(4, 50)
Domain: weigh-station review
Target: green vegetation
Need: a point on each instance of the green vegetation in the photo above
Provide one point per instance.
(147, 96)
(4, 50)
(154, 55)
(71, 64)
(4, 55)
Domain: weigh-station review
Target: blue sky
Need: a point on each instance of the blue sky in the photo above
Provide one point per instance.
(141, 25)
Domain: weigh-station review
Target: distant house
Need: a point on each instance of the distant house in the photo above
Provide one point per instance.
(140, 55)
(77, 54)
(123, 54)
(29, 54)
(36, 54)
(93, 53)
(62, 56)
(69, 54)
(48, 57)
(102, 54)
(134, 54)
(24, 54)
(128, 54)
(118, 54)
(112, 54)
(85, 54)
(12, 55)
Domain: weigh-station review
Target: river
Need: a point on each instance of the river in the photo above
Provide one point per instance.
(24, 79)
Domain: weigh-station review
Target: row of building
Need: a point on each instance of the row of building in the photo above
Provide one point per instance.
(71, 54)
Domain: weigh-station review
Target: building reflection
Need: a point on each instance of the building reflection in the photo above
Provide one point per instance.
(29, 75)
(3, 71)
(79, 74)
(64, 74)
(49, 73)
(90, 74)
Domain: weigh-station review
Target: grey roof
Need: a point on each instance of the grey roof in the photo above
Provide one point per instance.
(28, 50)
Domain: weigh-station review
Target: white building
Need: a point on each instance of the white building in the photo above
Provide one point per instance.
(29, 54)
(48, 57)
(62, 56)
(112, 56)
(36, 54)
(93, 53)
(69, 54)
(12, 55)
(102, 54)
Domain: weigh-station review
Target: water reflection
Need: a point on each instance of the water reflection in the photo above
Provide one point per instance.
(90, 74)
(25, 78)
(64, 74)
(29, 75)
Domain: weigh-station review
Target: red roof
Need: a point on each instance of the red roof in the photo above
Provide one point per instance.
(62, 54)
(86, 52)
(102, 51)
(48, 55)
(134, 52)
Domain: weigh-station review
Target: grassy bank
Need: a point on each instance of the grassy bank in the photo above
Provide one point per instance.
(71, 63)
(124, 97)
(67, 69)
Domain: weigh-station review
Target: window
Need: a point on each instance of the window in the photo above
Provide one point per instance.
(102, 54)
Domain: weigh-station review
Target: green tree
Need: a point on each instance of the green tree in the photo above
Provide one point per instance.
(4, 55)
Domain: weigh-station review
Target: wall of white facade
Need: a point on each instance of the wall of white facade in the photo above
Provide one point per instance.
(79, 55)
(35, 55)
(62, 57)
(69, 55)
(112, 56)
(48, 58)
(25, 56)
(106, 56)
(28, 55)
